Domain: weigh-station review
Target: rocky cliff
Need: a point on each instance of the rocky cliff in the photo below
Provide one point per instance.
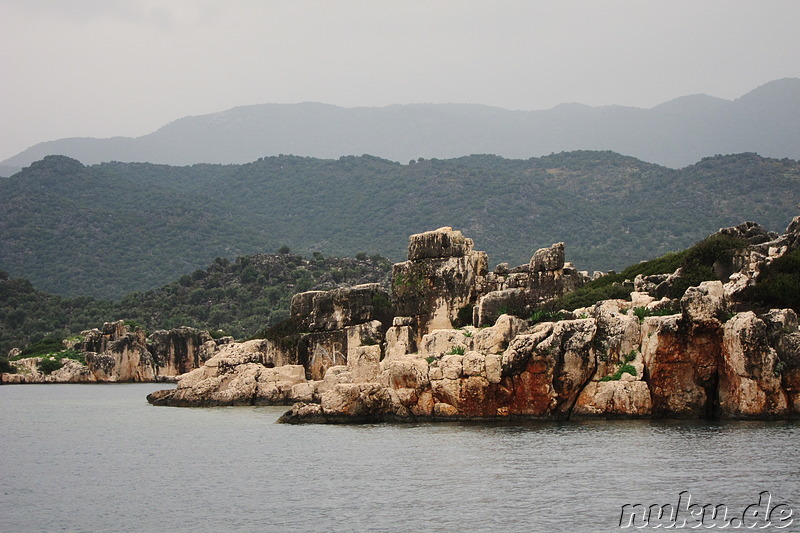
(120, 353)
(453, 346)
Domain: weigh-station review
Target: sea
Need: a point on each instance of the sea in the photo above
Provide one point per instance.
(99, 458)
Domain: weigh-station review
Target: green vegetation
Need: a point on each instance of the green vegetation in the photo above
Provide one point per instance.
(46, 346)
(106, 230)
(239, 298)
(626, 367)
(778, 284)
(408, 286)
(543, 315)
(642, 312)
(50, 364)
(457, 350)
(697, 263)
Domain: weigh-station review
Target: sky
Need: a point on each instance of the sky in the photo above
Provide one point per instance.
(102, 68)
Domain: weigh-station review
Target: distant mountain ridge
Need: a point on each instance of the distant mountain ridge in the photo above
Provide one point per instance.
(105, 230)
(675, 134)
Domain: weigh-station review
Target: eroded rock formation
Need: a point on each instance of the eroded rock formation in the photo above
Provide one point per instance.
(610, 360)
(120, 353)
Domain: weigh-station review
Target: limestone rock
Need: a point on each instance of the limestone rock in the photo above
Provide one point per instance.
(276, 385)
(356, 402)
(322, 350)
(28, 372)
(705, 303)
(443, 341)
(437, 291)
(180, 350)
(474, 364)
(452, 366)
(339, 308)
(682, 366)
(548, 259)
(492, 305)
(443, 242)
(494, 368)
(648, 284)
(399, 342)
(614, 399)
(751, 232)
(364, 363)
(749, 387)
(617, 338)
(409, 372)
(234, 376)
(784, 337)
(556, 362)
(444, 410)
(125, 356)
(303, 413)
(440, 282)
(304, 392)
(333, 376)
(495, 339)
(365, 334)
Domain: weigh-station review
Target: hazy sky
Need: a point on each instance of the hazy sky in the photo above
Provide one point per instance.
(101, 68)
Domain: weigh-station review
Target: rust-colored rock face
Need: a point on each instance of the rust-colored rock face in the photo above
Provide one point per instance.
(613, 362)
(681, 362)
(558, 361)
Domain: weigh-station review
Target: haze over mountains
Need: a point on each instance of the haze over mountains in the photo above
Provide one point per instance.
(674, 134)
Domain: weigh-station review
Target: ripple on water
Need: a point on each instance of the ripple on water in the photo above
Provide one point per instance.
(99, 458)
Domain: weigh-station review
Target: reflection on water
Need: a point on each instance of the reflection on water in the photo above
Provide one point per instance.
(99, 458)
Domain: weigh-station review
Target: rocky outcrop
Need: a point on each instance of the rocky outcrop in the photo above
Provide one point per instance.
(180, 350)
(432, 361)
(235, 375)
(681, 364)
(119, 353)
(440, 282)
(28, 371)
(544, 279)
(750, 372)
(339, 308)
(438, 244)
(124, 355)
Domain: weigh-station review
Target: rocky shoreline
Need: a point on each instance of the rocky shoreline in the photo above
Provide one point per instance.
(118, 353)
(447, 342)
(442, 346)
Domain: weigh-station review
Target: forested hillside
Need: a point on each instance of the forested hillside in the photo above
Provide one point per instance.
(109, 229)
(238, 298)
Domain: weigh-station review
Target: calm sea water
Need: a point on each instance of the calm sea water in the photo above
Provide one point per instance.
(99, 458)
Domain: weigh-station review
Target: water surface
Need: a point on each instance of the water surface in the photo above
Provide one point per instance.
(99, 458)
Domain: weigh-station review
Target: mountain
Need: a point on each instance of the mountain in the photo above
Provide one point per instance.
(108, 229)
(676, 133)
